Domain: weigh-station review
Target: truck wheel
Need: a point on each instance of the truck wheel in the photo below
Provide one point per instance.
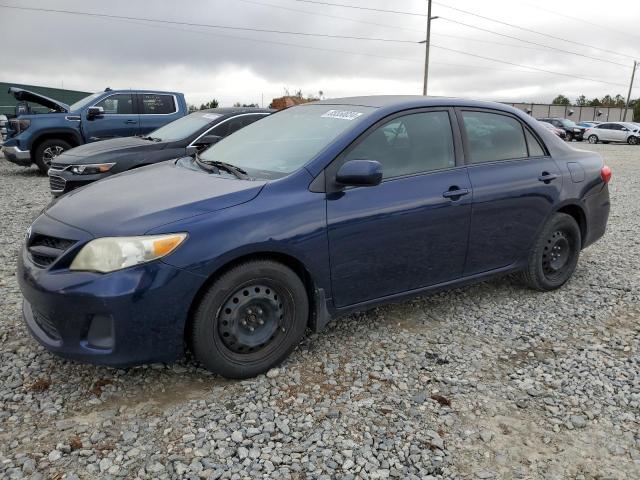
(250, 319)
(555, 254)
(47, 151)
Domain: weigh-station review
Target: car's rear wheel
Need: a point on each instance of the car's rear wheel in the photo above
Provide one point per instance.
(250, 319)
(47, 151)
(632, 140)
(569, 136)
(555, 254)
(593, 139)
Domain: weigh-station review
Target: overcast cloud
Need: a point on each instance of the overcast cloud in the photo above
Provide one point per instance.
(89, 54)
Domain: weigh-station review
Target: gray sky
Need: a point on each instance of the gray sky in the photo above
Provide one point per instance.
(87, 53)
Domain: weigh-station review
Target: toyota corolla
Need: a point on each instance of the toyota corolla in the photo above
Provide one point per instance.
(316, 211)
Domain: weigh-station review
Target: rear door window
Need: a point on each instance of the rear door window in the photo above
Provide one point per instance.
(535, 149)
(492, 137)
(157, 104)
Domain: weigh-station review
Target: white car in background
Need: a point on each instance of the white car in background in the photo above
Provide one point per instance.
(614, 132)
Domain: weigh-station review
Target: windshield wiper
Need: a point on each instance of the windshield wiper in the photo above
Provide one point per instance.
(216, 166)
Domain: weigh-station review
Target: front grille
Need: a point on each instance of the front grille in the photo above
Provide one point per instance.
(44, 250)
(56, 183)
(45, 324)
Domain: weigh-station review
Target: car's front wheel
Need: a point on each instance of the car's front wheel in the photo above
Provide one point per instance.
(632, 140)
(47, 151)
(569, 136)
(593, 139)
(555, 254)
(249, 319)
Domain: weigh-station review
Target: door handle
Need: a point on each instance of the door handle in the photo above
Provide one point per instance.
(454, 193)
(130, 121)
(547, 177)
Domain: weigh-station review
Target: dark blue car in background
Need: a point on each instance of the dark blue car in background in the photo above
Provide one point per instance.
(39, 138)
(310, 213)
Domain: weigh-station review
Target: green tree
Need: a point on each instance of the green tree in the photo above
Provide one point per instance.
(212, 104)
(619, 100)
(608, 101)
(250, 105)
(581, 101)
(561, 100)
(595, 103)
(635, 104)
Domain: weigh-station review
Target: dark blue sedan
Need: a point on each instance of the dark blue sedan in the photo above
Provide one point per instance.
(313, 212)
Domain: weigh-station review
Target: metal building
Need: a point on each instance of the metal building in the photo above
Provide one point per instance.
(8, 103)
(575, 113)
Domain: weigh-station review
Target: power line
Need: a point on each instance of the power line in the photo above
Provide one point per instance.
(415, 14)
(330, 50)
(529, 29)
(581, 20)
(206, 25)
(327, 15)
(145, 20)
(339, 17)
(547, 47)
(356, 7)
(526, 66)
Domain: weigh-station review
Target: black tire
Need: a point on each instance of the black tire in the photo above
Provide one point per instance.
(250, 319)
(632, 140)
(593, 139)
(47, 151)
(569, 136)
(555, 254)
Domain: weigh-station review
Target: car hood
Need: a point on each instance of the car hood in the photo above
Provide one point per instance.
(136, 201)
(27, 96)
(113, 145)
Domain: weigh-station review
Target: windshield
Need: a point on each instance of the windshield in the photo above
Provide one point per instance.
(568, 123)
(283, 142)
(184, 127)
(85, 101)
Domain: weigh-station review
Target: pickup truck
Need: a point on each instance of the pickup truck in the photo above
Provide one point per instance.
(39, 138)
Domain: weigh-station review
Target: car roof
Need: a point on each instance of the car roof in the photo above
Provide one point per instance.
(408, 101)
(234, 110)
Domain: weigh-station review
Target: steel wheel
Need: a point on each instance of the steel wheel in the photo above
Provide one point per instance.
(252, 318)
(557, 254)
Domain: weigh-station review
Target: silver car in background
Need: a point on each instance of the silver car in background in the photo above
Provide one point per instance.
(623, 132)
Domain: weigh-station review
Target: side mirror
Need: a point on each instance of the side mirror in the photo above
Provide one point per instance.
(93, 112)
(625, 129)
(360, 173)
(207, 140)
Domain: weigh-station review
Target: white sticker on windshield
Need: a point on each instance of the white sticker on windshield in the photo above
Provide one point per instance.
(211, 116)
(342, 114)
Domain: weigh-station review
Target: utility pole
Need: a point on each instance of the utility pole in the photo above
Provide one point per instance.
(427, 45)
(626, 106)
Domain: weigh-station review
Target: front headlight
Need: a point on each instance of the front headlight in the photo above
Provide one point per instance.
(113, 253)
(91, 169)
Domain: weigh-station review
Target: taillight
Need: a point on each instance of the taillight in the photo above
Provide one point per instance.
(605, 174)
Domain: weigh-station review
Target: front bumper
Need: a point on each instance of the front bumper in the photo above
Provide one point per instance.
(131, 316)
(17, 156)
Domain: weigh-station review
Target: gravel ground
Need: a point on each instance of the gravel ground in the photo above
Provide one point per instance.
(489, 381)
